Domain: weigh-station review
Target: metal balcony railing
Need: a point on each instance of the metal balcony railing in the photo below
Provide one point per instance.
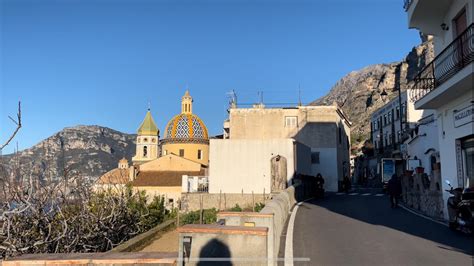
(450, 61)
(407, 4)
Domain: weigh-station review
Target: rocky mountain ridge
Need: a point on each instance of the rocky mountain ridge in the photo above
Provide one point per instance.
(359, 92)
(88, 150)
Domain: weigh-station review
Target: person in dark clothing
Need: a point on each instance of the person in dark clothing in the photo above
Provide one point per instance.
(394, 190)
(346, 184)
(319, 186)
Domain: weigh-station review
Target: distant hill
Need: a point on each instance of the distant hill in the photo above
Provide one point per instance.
(88, 150)
(358, 93)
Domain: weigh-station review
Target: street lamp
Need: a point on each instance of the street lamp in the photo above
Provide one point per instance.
(384, 95)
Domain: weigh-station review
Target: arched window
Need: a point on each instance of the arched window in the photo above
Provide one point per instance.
(145, 151)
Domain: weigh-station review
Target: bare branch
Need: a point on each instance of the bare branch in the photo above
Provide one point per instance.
(18, 126)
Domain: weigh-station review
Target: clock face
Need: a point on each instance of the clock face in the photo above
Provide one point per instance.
(153, 140)
(138, 140)
(145, 139)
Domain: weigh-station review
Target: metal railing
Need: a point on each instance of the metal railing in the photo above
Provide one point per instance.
(407, 4)
(458, 54)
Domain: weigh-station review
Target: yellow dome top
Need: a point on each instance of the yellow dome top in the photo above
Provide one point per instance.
(186, 126)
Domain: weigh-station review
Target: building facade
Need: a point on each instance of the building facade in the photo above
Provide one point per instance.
(322, 134)
(445, 85)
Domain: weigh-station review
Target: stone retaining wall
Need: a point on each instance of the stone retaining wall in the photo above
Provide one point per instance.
(424, 194)
(222, 201)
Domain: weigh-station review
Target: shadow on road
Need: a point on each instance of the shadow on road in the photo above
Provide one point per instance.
(377, 211)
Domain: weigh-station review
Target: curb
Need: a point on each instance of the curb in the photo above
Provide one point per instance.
(422, 215)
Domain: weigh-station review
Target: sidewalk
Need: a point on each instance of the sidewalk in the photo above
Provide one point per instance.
(167, 242)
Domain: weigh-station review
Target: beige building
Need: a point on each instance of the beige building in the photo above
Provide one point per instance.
(310, 139)
(115, 179)
(186, 134)
(163, 177)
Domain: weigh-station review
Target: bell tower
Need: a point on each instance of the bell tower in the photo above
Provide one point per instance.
(147, 141)
(187, 103)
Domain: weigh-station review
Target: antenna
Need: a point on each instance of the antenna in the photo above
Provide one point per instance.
(299, 95)
(149, 106)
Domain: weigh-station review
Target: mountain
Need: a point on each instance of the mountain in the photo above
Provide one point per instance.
(358, 93)
(89, 151)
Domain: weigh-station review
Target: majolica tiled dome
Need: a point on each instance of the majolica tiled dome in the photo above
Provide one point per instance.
(186, 126)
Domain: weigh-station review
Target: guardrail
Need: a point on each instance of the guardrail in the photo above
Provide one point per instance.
(458, 54)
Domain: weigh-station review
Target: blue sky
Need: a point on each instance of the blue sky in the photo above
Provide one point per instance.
(101, 62)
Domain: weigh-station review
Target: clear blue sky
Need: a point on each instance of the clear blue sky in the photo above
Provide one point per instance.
(100, 62)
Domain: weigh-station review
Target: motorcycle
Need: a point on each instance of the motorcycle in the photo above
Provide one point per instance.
(460, 209)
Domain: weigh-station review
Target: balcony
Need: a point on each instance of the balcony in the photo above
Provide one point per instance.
(437, 77)
(425, 15)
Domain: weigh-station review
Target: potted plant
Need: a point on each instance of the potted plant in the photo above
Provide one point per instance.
(420, 170)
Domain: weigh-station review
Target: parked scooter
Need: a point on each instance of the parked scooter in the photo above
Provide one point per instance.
(460, 209)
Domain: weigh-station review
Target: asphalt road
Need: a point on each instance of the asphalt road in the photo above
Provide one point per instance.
(364, 230)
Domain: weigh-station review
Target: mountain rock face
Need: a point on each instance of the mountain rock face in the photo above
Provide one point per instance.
(89, 151)
(358, 93)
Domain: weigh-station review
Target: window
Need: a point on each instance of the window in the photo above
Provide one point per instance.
(145, 151)
(390, 117)
(315, 158)
(385, 119)
(181, 152)
(199, 154)
(397, 116)
(165, 152)
(340, 135)
(291, 121)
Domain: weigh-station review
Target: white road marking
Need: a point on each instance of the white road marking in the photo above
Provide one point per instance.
(366, 194)
(289, 237)
(379, 195)
(353, 194)
(340, 193)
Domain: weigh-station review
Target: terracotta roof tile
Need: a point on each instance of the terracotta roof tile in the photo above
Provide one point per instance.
(162, 178)
(114, 177)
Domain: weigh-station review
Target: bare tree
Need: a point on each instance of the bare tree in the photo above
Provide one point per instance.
(17, 122)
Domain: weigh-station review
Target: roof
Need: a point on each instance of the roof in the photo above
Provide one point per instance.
(162, 178)
(187, 127)
(114, 177)
(148, 126)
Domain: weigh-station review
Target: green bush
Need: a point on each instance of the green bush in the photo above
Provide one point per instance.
(209, 216)
(259, 206)
(236, 208)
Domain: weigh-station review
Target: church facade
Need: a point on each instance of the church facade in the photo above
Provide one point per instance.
(158, 165)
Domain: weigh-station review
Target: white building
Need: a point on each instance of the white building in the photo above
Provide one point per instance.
(446, 84)
(386, 129)
(265, 147)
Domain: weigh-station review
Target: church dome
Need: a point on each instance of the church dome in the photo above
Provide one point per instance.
(186, 127)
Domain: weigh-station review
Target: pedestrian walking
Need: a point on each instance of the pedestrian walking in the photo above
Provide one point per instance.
(394, 190)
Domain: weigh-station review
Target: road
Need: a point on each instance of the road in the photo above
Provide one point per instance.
(362, 229)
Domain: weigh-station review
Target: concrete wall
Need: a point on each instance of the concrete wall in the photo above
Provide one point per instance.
(279, 207)
(215, 241)
(223, 201)
(328, 167)
(245, 164)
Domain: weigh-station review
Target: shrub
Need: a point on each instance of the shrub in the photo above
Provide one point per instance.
(259, 206)
(236, 208)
